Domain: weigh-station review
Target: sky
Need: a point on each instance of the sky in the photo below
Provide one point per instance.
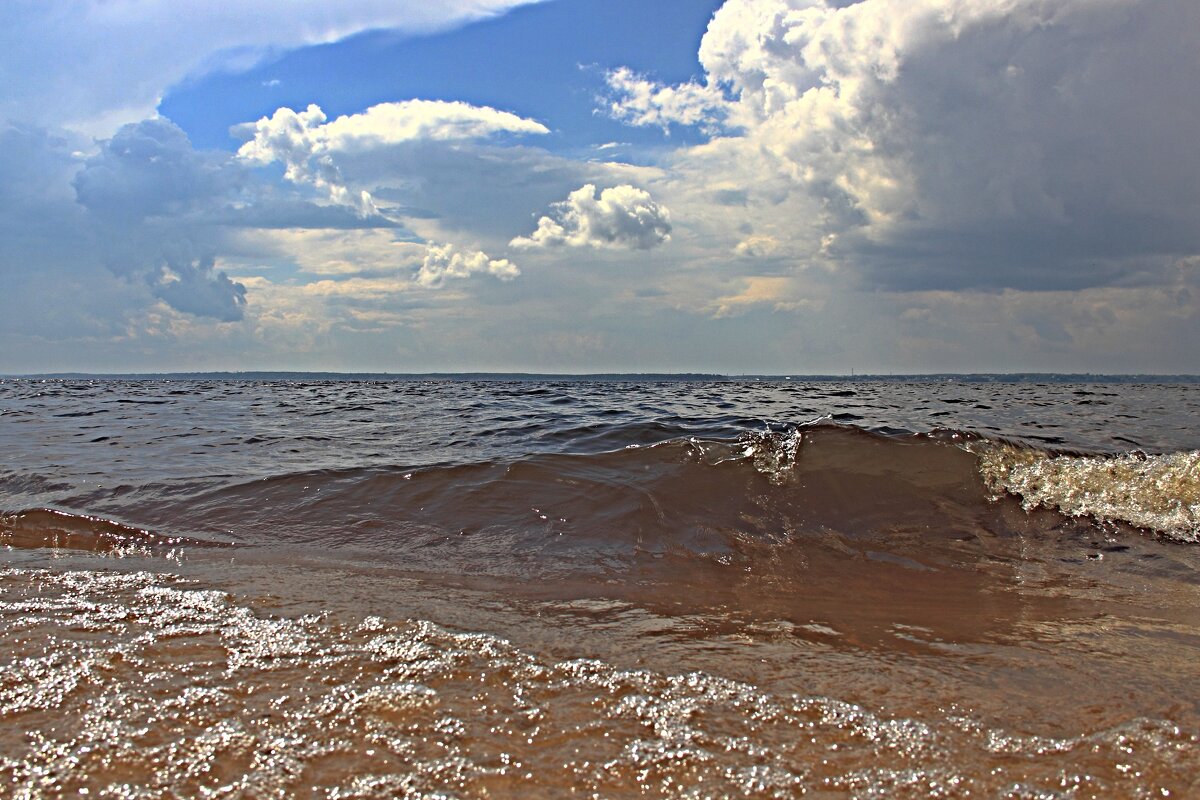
(749, 186)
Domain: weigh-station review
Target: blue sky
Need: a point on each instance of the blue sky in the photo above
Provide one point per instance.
(546, 61)
(591, 185)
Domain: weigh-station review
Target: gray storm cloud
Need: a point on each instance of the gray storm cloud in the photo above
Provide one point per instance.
(148, 188)
(149, 169)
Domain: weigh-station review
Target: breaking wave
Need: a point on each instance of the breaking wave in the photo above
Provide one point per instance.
(1157, 493)
(937, 498)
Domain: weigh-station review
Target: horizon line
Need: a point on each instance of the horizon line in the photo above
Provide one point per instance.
(518, 375)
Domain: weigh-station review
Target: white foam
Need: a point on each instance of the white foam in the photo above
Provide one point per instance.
(133, 685)
(1160, 493)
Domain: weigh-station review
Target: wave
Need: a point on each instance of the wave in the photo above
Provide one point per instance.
(1156, 493)
(817, 491)
(49, 528)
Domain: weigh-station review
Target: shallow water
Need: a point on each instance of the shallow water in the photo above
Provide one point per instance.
(487, 589)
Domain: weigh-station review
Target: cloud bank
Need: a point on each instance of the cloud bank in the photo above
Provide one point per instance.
(926, 184)
(946, 144)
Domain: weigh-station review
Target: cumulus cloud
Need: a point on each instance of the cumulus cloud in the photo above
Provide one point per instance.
(373, 258)
(444, 262)
(150, 169)
(132, 52)
(622, 217)
(946, 144)
(160, 214)
(148, 207)
(294, 139)
(147, 193)
(439, 120)
(309, 145)
(198, 288)
(479, 191)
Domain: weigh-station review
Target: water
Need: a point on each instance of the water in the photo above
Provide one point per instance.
(467, 589)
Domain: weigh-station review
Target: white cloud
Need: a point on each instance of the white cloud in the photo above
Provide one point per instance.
(438, 120)
(446, 261)
(639, 101)
(620, 217)
(294, 139)
(309, 145)
(360, 262)
(131, 51)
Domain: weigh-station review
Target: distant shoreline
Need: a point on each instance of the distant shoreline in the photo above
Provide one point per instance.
(613, 377)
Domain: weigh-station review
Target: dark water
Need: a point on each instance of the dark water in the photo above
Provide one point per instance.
(253, 589)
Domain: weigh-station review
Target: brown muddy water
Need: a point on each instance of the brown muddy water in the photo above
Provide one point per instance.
(240, 589)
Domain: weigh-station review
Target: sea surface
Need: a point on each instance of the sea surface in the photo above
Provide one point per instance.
(460, 589)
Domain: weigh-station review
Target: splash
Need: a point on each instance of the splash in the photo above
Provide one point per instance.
(772, 453)
(1160, 493)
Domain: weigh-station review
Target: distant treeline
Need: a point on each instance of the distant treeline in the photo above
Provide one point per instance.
(632, 377)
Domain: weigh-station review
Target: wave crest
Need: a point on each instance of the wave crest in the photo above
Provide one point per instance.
(771, 453)
(1159, 493)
